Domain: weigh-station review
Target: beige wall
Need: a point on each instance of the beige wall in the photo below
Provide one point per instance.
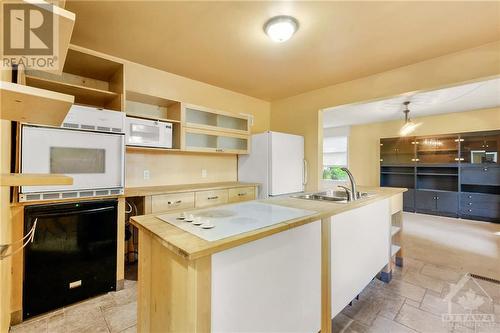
(300, 114)
(364, 142)
(168, 168)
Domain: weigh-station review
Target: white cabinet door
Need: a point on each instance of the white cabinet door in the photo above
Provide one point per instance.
(360, 240)
(270, 285)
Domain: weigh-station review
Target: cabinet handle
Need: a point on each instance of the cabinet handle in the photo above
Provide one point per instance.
(470, 203)
(470, 210)
(213, 198)
(174, 202)
(381, 160)
(242, 194)
(219, 149)
(485, 169)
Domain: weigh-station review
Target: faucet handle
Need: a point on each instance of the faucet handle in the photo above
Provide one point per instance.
(348, 191)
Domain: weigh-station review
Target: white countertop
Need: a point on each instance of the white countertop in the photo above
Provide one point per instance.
(230, 220)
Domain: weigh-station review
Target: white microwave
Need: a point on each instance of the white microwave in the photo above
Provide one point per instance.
(148, 133)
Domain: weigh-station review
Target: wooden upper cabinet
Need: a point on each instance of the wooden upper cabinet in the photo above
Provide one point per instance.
(207, 119)
(397, 151)
(480, 147)
(208, 130)
(438, 149)
(215, 142)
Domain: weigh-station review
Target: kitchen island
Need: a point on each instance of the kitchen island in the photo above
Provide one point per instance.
(294, 271)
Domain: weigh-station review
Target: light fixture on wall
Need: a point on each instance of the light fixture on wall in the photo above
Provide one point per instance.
(281, 28)
(409, 126)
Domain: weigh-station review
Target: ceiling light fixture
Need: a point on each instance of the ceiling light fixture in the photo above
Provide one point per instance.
(281, 28)
(409, 126)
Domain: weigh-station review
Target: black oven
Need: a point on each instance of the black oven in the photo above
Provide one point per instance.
(73, 255)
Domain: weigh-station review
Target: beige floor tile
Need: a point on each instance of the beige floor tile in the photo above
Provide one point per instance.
(412, 303)
(384, 325)
(121, 317)
(407, 289)
(131, 329)
(32, 326)
(345, 324)
(434, 303)
(420, 320)
(442, 273)
(424, 281)
(74, 322)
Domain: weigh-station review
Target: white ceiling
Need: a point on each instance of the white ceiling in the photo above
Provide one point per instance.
(473, 96)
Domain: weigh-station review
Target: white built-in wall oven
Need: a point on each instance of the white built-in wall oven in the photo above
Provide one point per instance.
(89, 147)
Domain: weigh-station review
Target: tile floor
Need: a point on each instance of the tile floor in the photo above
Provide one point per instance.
(414, 301)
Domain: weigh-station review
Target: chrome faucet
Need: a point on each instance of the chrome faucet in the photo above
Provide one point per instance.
(354, 191)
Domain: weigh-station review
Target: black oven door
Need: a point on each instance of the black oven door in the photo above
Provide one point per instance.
(73, 255)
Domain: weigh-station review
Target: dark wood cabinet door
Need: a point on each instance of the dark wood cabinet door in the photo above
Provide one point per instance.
(481, 175)
(425, 200)
(438, 149)
(397, 151)
(409, 200)
(447, 202)
(480, 148)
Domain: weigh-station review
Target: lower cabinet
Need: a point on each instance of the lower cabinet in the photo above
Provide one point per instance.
(409, 200)
(480, 206)
(436, 202)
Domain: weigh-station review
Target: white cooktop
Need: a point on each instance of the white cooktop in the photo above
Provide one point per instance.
(230, 220)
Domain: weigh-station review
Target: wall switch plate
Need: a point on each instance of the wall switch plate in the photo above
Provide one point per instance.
(146, 174)
(204, 173)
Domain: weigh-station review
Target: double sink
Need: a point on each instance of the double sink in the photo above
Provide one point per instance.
(332, 195)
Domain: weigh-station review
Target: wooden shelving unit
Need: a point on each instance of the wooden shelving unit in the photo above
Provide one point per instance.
(91, 78)
(33, 179)
(145, 106)
(33, 105)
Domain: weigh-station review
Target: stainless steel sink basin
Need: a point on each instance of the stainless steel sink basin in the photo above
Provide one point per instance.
(331, 195)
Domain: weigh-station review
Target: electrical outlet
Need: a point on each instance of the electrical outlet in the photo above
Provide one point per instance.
(204, 173)
(146, 174)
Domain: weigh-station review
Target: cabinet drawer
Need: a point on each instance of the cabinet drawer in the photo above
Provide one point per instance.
(479, 197)
(481, 175)
(489, 210)
(241, 194)
(211, 198)
(174, 201)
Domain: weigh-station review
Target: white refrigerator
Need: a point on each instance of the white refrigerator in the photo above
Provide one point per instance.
(276, 162)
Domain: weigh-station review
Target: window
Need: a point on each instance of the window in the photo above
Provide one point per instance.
(334, 154)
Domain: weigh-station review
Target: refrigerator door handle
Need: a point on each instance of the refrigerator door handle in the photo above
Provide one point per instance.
(304, 173)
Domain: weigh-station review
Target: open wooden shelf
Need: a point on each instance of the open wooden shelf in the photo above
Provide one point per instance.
(33, 179)
(83, 95)
(395, 249)
(394, 230)
(152, 107)
(66, 21)
(33, 105)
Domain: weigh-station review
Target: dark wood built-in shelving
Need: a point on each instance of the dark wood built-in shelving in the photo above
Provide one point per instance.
(454, 175)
